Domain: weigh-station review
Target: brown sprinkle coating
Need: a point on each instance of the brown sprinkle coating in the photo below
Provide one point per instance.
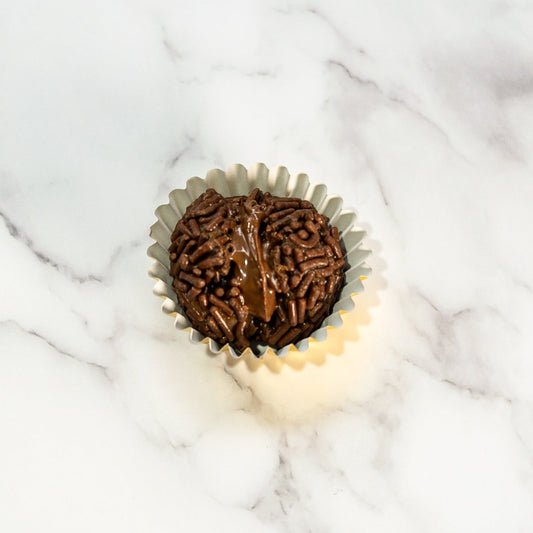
(293, 313)
(307, 242)
(225, 287)
(319, 262)
(224, 325)
(217, 302)
(302, 306)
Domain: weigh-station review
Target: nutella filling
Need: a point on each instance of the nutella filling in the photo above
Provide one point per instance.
(251, 269)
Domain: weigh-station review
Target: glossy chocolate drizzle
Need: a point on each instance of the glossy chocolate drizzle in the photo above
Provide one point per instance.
(255, 269)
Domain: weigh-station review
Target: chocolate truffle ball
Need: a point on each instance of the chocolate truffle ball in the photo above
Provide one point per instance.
(255, 269)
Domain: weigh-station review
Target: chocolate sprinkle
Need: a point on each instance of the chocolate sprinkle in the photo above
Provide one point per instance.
(255, 269)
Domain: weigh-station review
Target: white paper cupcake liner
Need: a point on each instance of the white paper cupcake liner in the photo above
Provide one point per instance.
(237, 180)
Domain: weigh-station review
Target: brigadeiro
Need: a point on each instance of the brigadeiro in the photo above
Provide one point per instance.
(255, 269)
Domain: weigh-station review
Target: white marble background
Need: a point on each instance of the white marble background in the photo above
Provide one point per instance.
(417, 416)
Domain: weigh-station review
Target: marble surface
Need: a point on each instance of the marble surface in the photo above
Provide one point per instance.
(417, 416)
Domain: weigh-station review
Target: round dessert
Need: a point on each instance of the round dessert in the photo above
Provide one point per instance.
(257, 269)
